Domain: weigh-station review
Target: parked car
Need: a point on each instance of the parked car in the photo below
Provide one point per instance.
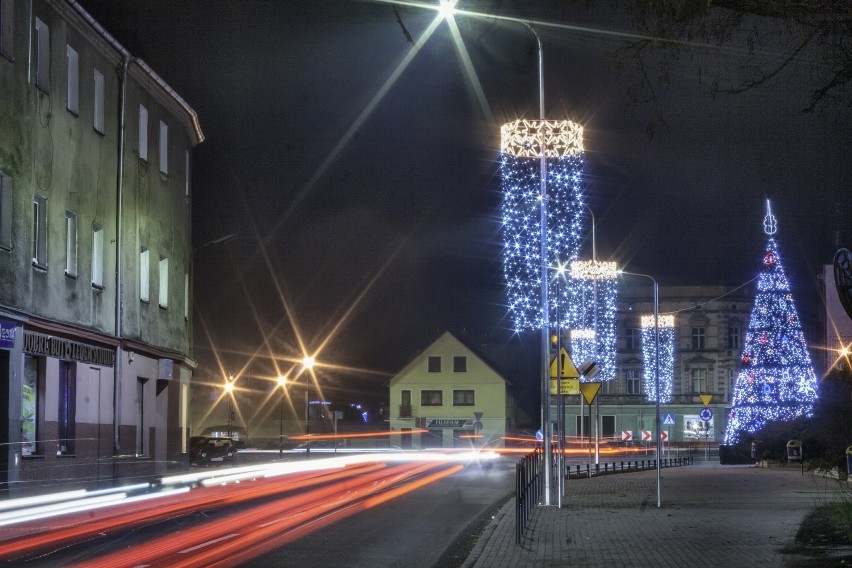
(204, 450)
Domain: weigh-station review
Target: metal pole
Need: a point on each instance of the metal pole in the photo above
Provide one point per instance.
(307, 419)
(657, 380)
(281, 424)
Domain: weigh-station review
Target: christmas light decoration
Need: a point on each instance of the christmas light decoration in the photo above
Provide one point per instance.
(649, 350)
(593, 305)
(776, 380)
(523, 144)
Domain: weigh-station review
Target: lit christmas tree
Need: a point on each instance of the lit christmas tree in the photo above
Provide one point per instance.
(776, 380)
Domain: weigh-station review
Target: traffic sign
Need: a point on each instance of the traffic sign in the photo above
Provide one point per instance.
(664, 435)
(590, 391)
(564, 386)
(626, 435)
(646, 435)
(706, 414)
(669, 420)
(567, 370)
(705, 398)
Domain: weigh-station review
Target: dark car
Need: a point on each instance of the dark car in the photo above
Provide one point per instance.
(205, 450)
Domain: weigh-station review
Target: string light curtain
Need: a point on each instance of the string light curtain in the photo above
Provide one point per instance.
(667, 353)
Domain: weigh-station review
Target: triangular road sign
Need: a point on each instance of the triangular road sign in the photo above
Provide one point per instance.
(706, 398)
(568, 370)
(590, 391)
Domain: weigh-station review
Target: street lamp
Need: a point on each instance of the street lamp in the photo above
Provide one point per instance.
(229, 389)
(282, 382)
(308, 364)
(656, 370)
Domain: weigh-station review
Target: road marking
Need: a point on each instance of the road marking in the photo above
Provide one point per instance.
(208, 543)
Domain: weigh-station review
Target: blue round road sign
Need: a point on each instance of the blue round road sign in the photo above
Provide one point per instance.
(706, 414)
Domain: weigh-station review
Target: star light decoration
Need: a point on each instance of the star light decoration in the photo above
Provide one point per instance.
(523, 144)
(593, 309)
(649, 352)
(776, 381)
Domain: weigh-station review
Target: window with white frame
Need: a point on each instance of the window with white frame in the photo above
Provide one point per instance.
(144, 275)
(98, 113)
(7, 18)
(431, 398)
(634, 381)
(734, 336)
(42, 55)
(164, 147)
(5, 212)
(463, 398)
(699, 380)
(71, 244)
(97, 256)
(40, 231)
(72, 97)
(143, 133)
(163, 296)
(698, 338)
(434, 364)
(634, 339)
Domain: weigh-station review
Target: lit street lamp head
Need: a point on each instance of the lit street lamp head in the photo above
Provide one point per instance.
(282, 381)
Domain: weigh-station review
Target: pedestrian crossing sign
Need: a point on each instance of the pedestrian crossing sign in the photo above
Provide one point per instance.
(668, 420)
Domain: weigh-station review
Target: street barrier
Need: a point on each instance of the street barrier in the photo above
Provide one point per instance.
(624, 467)
(529, 484)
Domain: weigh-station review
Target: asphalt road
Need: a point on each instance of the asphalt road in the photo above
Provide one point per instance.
(412, 531)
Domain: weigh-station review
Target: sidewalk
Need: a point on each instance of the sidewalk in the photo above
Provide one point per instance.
(711, 515)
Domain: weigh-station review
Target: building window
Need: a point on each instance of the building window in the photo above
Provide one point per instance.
(97, 257)
(40, 231)
(30, 395)
(66, 433)
(42, 59)
(72, 100)
(186, 296)
(7, 11)
(698, 338)
(434, 364)
(71, 244)
(163, 296)
(98, 116)
(143, 133)
(431, 398)
(634, 339)
(5, 212)
(734, 337)
(144, 273)
(460, 364)
(463, 398)
(164, 147)
(634, 381)
(699, 381)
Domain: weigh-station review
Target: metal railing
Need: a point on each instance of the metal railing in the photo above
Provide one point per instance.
(589, 470)
(529, 485)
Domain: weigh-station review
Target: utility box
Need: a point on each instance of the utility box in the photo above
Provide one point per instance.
(794, 451)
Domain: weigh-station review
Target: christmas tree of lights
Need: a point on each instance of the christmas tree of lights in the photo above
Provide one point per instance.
(524, 143)
(776, 381)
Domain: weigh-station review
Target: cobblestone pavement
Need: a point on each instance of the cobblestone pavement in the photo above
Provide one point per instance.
(711, 515)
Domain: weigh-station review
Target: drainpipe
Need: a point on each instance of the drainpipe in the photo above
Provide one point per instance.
(119, 283)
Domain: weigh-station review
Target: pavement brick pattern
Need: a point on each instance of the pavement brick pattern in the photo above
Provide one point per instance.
(711, 515)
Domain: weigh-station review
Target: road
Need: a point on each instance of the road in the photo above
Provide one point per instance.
(370, 511)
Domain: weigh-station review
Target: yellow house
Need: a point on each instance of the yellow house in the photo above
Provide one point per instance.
(448, 397)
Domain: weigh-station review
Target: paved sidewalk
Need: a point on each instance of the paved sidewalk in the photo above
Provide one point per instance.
(711, 515)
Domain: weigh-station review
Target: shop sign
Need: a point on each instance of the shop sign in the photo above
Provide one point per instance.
(7, 334)
(434, 423)
(59, 348)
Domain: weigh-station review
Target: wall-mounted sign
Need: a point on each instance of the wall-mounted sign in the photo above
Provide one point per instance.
(448, 423)
(7, 334)
(38, 344)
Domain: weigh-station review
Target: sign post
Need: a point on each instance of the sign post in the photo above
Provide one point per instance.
(706, 415)
(564, 379)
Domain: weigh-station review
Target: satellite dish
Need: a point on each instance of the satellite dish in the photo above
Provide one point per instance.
(843, 278)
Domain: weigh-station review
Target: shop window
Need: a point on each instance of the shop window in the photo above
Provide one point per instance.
(67, 415)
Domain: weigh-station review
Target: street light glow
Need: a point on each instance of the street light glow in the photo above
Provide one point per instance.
(447, 8)
(282, 380)
(308, 362)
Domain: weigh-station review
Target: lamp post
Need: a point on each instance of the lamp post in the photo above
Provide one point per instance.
(282, 382)
(229, 388)
(656, 371)
(308, 365)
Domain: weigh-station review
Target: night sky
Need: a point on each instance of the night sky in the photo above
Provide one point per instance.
(382, 234)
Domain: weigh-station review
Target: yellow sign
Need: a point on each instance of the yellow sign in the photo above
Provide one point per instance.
(566, 386)
(590, 391)
(706, 398)
(568, 370)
